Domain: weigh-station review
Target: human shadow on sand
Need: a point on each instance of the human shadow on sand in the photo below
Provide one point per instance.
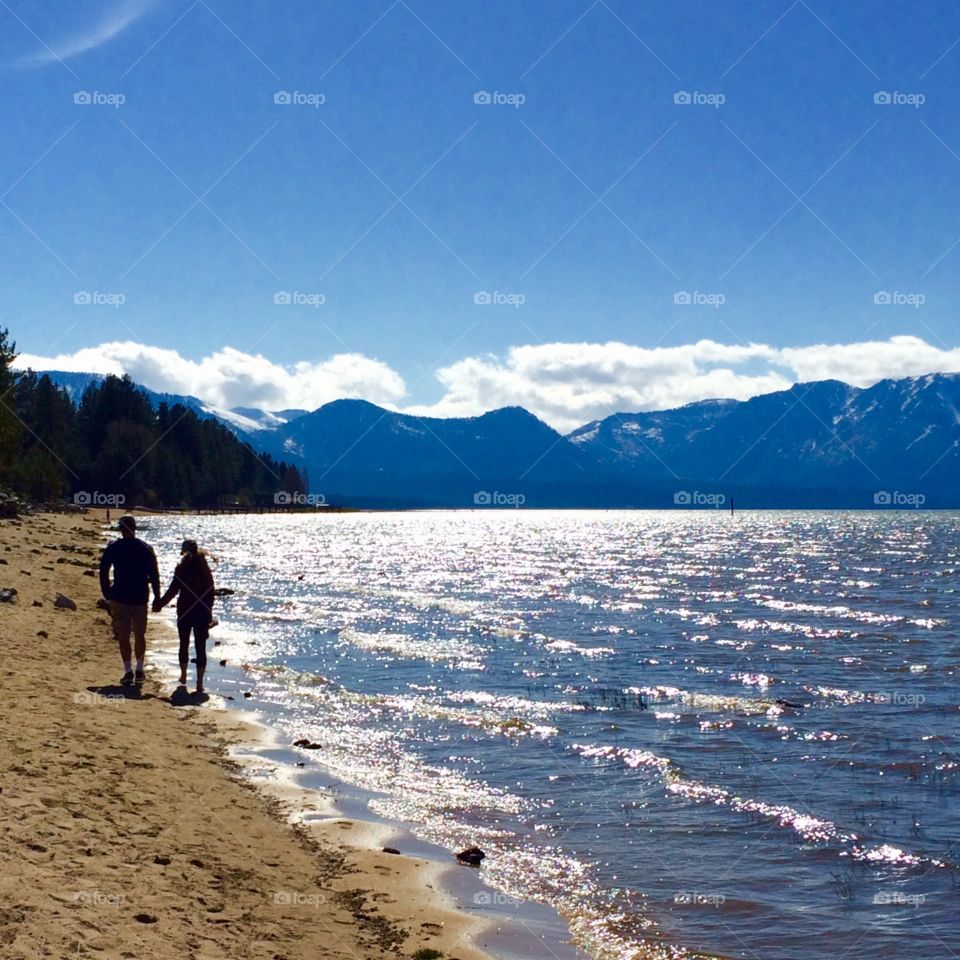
(117, 691)
(181, 697)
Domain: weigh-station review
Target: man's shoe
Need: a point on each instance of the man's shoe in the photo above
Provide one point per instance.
(140, 676)
(127, 678)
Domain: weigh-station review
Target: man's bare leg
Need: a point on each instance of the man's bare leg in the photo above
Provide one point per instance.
(140, 639)
(122, 626)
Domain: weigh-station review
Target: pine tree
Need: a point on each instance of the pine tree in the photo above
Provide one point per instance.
(113, 441)
(9, 424)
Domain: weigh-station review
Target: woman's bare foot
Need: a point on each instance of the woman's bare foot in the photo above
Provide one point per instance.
(182, 682)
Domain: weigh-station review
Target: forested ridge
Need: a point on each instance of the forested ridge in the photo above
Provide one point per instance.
(114, 444)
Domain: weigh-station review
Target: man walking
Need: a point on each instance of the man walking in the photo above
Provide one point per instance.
(134, 570)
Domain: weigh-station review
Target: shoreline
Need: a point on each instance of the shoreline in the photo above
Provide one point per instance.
(442, 885)
(132, 827)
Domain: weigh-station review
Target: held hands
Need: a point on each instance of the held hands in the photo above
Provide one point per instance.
(157, 605)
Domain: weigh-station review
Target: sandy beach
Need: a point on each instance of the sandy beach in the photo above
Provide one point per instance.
(129, 832)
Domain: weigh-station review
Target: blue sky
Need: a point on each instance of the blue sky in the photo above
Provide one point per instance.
(584, 205)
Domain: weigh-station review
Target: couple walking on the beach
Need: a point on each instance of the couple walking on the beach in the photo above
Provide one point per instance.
(135, 571)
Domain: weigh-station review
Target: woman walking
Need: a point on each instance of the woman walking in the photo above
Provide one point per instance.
(192, 585)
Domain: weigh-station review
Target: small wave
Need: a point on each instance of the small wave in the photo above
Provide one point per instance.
(847, 613)
(809, 827)
(421, 600)
(463, 654)
(752, 624)
(887, 853)
(705, 701)
(568, 646)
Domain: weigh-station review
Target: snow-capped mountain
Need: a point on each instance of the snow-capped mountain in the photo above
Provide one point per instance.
(896, 436)
(821, 444)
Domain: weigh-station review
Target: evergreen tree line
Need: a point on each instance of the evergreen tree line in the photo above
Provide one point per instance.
(115, 444)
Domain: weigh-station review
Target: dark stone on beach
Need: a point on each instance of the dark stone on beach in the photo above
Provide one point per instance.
(197, 863)
(8, 595)
(64, 603)
(472, 856)
(223, 592)
(228, 698)
(247, 694)
(223, 663)
(89, 573)
(26, 573)
(145, 918)
(300, 763)
(307, 744)
(390, 850)
(3, 562)
(163, 861)
(216, 643)
(37, 603)
(44, 634)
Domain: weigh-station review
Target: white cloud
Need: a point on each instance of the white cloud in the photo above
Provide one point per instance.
(111, 24)
(863, 364)
(230, 378)
(568, 384)
(565, 384)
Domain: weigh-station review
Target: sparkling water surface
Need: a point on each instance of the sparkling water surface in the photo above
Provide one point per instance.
(705, 734)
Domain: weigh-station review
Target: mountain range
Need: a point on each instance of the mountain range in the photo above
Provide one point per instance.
(819, 444)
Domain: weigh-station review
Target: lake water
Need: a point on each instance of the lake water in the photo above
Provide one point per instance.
(722, 736)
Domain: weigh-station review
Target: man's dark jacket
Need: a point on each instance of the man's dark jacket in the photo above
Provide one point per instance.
(134, 571)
